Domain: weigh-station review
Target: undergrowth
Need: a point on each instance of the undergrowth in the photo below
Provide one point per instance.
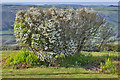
(22, 59)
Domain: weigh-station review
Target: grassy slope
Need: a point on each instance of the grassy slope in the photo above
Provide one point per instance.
(7, 37)
(6, 32)
(53, 72)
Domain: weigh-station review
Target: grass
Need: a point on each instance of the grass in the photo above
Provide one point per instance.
(110, 53)
(53, 72)
(7, 37)
(5, 54)
(7, 32)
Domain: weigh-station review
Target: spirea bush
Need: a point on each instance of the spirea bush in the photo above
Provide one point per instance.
(52, 31)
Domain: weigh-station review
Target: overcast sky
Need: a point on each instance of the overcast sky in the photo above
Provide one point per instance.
(58, 1)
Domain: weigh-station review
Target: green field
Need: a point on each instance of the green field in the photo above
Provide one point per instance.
(6, 32)
(55, 72)
(7, 37)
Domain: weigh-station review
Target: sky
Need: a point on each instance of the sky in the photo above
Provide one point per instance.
(7, 1)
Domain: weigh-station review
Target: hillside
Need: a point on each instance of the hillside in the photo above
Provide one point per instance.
(9, 12)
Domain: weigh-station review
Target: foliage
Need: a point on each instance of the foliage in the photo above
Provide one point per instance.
(87, 60)
(23, 57)
(81, 60)
(50, 32)
(108, 66)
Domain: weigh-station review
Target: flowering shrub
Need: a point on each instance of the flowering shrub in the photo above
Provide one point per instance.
(108, 67)
(50, 32)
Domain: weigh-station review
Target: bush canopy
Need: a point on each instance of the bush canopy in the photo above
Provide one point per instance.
(50, 32)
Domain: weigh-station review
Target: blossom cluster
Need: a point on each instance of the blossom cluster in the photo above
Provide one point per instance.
(54, 30)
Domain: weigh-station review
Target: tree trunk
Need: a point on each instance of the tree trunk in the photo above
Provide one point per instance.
(101, 45)
(66, 57)
(78, 51)
(80, 46)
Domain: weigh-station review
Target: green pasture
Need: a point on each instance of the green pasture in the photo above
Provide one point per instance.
(55, 72)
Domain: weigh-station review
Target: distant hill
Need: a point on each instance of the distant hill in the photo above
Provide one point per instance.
(113, 6)
(9, 13)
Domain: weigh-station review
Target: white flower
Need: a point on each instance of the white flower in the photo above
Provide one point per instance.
(46, 47)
